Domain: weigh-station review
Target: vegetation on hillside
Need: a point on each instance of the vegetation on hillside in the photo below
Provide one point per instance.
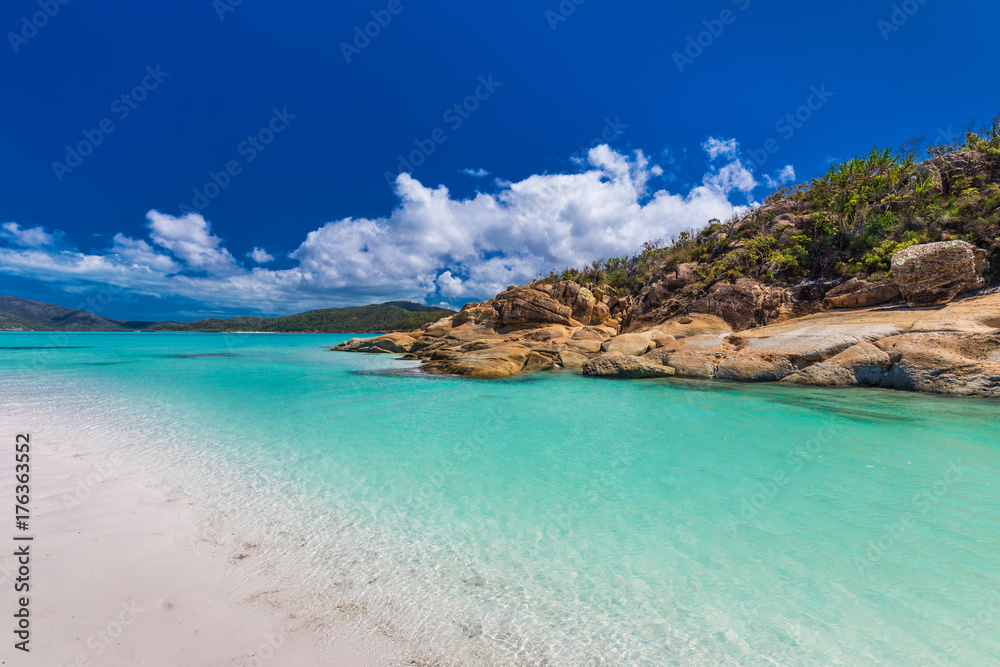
(847, 223)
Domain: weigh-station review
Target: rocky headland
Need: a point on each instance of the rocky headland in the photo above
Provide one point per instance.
(800, 291)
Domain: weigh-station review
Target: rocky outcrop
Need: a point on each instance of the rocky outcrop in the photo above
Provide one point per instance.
(523, 306)
(501, 361)
(933, 274)
(744, 304)
(953, 349)
(862, 365)
(625, 367)
(857, 293)
(394, 343)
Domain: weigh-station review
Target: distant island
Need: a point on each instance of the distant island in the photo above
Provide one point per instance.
(18, 314)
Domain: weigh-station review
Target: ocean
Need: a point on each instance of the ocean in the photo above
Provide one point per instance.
(551, 519)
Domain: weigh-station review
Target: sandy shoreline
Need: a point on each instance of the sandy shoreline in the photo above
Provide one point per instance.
(121, 575)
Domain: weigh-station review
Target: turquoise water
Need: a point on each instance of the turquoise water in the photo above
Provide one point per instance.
(555, 520)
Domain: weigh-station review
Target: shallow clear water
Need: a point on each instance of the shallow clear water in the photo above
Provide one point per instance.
(556, 520)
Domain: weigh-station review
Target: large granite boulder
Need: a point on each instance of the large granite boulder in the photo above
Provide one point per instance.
(856, 293)
(962, 364)
(743, 305)
(862, 365)
(585, 307)
(625, 367)
(633, 345)
(933, 274)
(501, 361)
(694, 356)
(524, 306)
(394, 343)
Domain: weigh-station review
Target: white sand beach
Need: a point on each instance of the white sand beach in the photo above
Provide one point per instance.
(119, 575)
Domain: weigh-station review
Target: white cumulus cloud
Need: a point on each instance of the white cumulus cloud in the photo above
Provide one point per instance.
(432, 247)
(36, 237)
(260, 256)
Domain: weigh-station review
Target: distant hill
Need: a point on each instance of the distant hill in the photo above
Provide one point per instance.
(24, 315)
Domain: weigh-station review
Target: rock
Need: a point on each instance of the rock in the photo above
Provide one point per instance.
(538, 362)
(547, 333)
(437, 329)
(572, 360)
(964, 364)
(625, 367)
(484, 315)
(584, 306)
(857, 293)
(684, 275)
(525, 306)
(661, 339)
(501, 361)
(695, 356)
(933, 274)
(696, 324)
(775, 352)
(394, 343)
(593, 333)
(743, 305)
(353, 345)
(585, 345)
(861, 365)
(634, 345)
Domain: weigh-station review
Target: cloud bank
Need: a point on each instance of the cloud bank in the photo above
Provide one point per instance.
(432, 248)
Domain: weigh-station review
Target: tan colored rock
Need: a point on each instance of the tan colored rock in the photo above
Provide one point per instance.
(625, 367)
(394, 343)
(963, 364)
(694, 356)
(773, 353)
(634, 345)
(933, 274)
(593, 333)
(861, 365)
(538, 362)
(572, 360)
(526, 306)
(857, 293)
(496, 362)
(438, 329)
(480, 314)
(591, 346)
(695, 324)
(661, 339)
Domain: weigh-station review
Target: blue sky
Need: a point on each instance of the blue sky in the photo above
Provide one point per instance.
(294, 122)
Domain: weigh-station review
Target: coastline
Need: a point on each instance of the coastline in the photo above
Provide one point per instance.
(124, 576)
